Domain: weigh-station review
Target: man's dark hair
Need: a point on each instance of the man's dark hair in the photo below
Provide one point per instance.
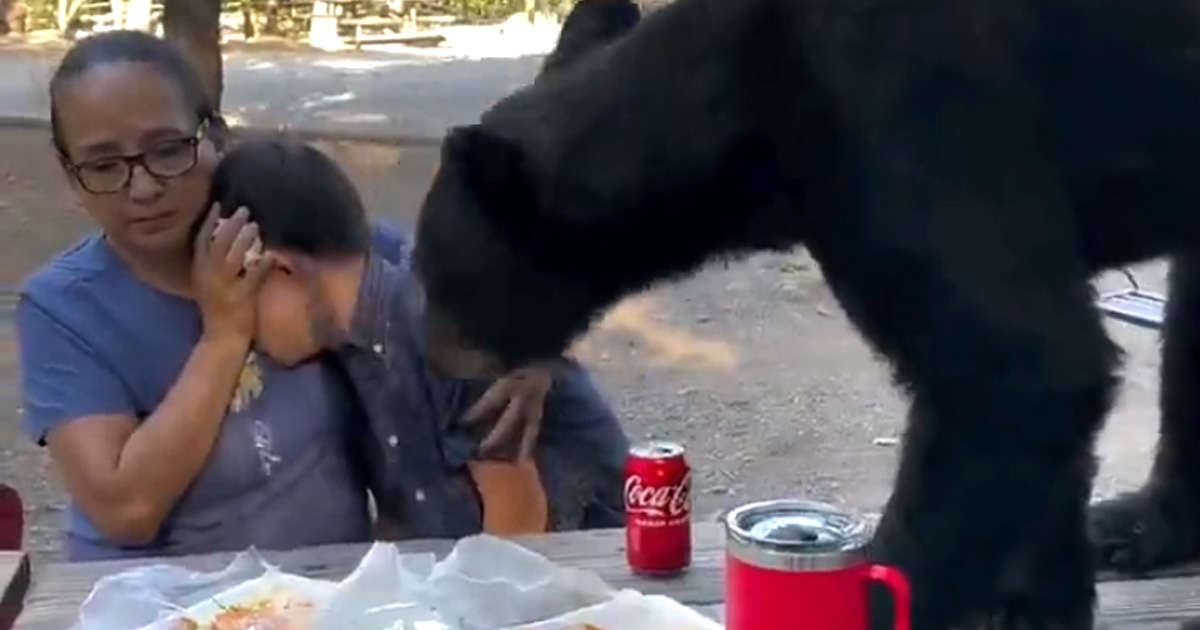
(135, 47)
(300, 198)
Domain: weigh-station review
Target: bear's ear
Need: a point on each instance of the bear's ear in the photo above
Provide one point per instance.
(590, 26)
(491, 166)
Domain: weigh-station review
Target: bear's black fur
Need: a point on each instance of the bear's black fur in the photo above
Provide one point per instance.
(1159, 525)
(590, 25)
(960, 170)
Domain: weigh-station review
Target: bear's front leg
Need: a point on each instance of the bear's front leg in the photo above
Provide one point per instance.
(956, 250)
(1051, 586)
(1011, 376)
(990, 538)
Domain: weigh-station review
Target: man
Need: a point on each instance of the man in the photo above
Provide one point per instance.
(435, 464)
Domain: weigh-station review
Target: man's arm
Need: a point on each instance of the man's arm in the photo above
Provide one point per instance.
(576, 413)
(582, 454)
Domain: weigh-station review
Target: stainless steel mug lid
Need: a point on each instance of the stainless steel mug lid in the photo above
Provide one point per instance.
(795, 535)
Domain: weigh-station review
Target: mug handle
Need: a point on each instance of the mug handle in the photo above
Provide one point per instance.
(901, 592)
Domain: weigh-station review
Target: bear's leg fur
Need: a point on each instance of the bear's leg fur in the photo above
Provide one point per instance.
(997, 340)
(1046, 585)
(1054, 579)
(1159, 525)
(1001, 543)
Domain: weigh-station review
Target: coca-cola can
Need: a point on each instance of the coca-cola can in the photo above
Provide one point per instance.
(658, 509)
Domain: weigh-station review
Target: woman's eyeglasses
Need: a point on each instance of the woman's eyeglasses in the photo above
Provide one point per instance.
(164, 160)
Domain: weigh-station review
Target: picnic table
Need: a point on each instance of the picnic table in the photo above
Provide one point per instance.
(1135, 305)
(59, 588)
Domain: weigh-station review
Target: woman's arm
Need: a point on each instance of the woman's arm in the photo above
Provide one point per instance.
(125, 475)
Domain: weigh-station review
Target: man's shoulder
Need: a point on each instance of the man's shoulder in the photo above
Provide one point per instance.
(401, 291)
(387, 309)
(392, 242)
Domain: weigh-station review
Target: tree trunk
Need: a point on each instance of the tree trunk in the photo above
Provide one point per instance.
(249, 27)
(195, 26)
(64, 15)
(272, 27)
(16, 17)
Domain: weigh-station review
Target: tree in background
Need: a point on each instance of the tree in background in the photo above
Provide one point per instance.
(13, 16)
(195, 26)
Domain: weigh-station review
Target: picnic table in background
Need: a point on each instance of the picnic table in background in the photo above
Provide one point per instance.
(60, 588)
(363, 22)
(1135, 305)
(327, 22)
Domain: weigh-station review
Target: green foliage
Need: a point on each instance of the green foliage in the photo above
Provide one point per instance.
(482, 10)
(289, 18)
(41, 14)
(64, 15)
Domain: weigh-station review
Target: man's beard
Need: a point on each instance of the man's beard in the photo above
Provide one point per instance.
(322, 318)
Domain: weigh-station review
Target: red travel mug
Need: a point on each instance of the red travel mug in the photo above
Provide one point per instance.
(798, 565)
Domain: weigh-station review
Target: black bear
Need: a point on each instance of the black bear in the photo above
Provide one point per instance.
(960, 171)
(590, 25)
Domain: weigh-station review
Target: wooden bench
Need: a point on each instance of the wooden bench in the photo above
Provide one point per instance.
(1135, 305)
(90, 16)
(389, 30)
(435, 20)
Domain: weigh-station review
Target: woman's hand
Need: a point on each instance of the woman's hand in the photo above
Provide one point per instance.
(520, 399)
(226, 274)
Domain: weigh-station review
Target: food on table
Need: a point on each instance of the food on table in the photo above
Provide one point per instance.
(280, 613)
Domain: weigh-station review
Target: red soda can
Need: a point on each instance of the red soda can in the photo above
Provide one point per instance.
(658, 509)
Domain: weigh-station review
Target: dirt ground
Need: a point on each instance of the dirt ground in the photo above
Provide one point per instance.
(750, 365)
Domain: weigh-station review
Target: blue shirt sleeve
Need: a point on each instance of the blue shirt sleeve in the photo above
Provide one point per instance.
(576, 415)
(392, 243)
(62, 377)
(582, 454)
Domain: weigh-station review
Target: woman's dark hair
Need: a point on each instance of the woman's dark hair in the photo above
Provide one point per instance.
(135, 47)
(300, 198)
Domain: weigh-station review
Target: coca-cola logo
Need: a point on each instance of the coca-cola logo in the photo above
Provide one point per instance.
(668, 501)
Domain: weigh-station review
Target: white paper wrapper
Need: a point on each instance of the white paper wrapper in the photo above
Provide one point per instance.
(484, 584)
(630, 610)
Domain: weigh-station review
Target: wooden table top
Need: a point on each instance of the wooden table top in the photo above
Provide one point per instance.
(14, 580)
(60, 588)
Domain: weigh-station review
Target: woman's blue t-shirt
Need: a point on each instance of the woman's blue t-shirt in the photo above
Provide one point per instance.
(96, 340)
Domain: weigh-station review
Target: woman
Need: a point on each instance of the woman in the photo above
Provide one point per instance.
(171, 435)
